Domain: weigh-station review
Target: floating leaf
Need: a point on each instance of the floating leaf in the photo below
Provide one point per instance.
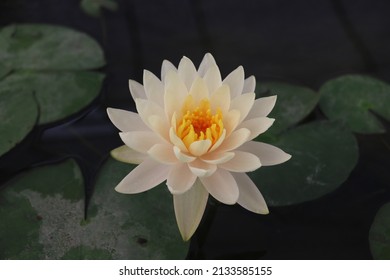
(49, 47)
(59, 94)
(18, 115)
(51, 62)
(323, 155)
(350, 99)
(42, 217)
(93, 7)
(140, 226)
(379, 236)
(293, 103)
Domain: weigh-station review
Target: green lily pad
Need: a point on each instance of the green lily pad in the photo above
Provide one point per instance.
(379, 236)
(41, 211)
(323, 155)
(293, 104)
(51, 61)
(351, 98)
(16, 108)
(59, 94)
(42, 217)
(93, 7)
(140, 226)
(49, 47)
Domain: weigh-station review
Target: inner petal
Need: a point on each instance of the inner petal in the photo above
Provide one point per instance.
(199, 122)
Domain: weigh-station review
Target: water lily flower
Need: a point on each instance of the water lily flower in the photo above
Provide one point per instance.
(195, 131)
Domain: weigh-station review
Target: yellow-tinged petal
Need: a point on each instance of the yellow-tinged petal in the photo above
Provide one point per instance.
(189, 209)
(127, 155)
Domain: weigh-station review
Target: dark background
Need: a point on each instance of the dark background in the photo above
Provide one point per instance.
(301, 42)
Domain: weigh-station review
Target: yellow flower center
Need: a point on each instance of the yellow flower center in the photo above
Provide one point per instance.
(198, 123)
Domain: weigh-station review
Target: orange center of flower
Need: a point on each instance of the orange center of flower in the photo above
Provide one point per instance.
(198, 123)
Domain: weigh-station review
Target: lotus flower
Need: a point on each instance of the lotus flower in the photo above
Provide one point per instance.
(195, 131)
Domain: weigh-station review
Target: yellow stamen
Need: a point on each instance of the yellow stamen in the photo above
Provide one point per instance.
(198, 123)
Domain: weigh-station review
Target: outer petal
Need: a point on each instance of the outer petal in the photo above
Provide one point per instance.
(250, 197)
(136, 90)
(220, 99)
(125, 154)
(148, 108)
(180, 179)
(242, 162)
(163, 153)
(126, 120)
(141, 141)
(257, 126)
(243, 103)
(268, 154)
(249, 84)
(154, 88)
(144, 177)
(207, 63)
(175, 93)
(262, 107)
(222, 186)
(187, 71)
(235, 80)
(166, 67)
(213, 79)
(199, 90)
(189, 209)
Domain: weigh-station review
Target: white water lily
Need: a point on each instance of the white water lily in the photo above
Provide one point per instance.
(195, 131)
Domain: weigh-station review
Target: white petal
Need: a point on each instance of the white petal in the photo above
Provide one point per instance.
(144, 177)
(180, 179)
(242, 162)
(160, 126)
(182, 156)
(236, 139)
(189, 209)
(222, 186)
(249, 84)
(268, 154)
(243, 103)
(141, 141)
(219, 141)
(154, 88)
(125, 154)
(176, 141)
(137, 90)
(220, 99)
(207, 62)
(217, 158)
(250, 197)
(235, 80)
(165, 68)
(202, 169)
(187, 71)
(262, 107)
(126, 120)
(163, 153)
(200, 147)
(213, 79)
(148, 108)
(175, 93)
(257, 126)
(199, 90)
(231, 120)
